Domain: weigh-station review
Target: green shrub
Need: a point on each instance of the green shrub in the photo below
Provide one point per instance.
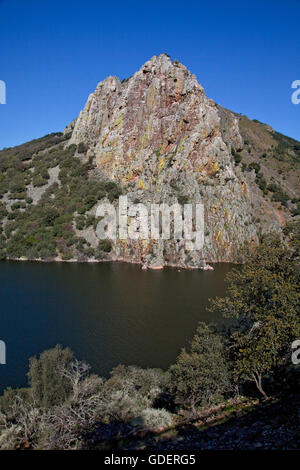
(82, 147)
(3, 211)
(254, 166)
(48, 386)
(237, 158)
(200, 376)
(155, 418)
(273, 187)
(80, 222)
(38, 181)
(105, 246)
(182, 198)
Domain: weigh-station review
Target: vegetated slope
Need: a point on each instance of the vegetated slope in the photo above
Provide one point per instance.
(157, 138)
(241, 424)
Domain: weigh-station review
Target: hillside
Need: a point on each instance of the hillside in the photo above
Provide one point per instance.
(157, 138)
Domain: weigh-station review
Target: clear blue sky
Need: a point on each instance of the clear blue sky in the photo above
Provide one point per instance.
(53, 53)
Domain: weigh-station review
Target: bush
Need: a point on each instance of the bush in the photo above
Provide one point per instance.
(82, 147)
(273, 187)
(80, 222)
(237, 158)
(200, 376)
(280, 196)
(132, 389)
(113, 191)
(254, 166)
(105, 246)
(38, 181)
(17, 185)
(48, 387)
(261, 182)
(3, 211)
(182, 199)
(156, 418)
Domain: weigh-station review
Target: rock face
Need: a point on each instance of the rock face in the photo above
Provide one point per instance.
(164, 141)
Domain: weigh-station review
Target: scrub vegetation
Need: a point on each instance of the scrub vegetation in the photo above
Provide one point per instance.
(65, 406)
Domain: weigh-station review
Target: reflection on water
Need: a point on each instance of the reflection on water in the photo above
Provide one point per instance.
(107, 313)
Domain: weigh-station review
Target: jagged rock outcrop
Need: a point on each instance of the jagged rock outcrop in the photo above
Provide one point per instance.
(157, 138)
(160, 136)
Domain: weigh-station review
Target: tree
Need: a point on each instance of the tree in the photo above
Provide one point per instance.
(66, 425)
(201, 375)
(49, 387)
(255, 354)
(263, 296)
(130, 389)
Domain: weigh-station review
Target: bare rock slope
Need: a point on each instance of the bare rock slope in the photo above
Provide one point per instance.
(158, 135)
(157, 138)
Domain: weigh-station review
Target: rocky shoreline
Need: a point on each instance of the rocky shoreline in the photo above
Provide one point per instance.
(144, 267)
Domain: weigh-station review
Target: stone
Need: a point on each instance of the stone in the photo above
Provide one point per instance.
(163, 140)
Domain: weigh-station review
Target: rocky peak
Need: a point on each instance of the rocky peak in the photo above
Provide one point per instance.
(163, 140)
(160, 108)
(157, 138)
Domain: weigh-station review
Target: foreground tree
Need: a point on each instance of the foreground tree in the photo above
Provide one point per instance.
(131, 389)
(264, 299)
(200, 376)
(47, 385)
(65, 426)
(66, 404)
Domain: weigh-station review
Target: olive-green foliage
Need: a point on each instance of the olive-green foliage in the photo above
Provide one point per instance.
(131, 389)
(273, 187)
(264, 297)
(3, 211)
(48, 386)
(104, 246)
(65, 402)
(237, 158)
(278, 194)
(80, 222)
(82, 147)
(182, 198)
(8, 399)
(45, 230)
(287, 149)
(200, 375)
(261, 182)
(254, 166)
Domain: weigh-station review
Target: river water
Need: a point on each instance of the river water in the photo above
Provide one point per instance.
(108, 313)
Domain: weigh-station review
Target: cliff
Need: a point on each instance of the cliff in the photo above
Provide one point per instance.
(159, 139)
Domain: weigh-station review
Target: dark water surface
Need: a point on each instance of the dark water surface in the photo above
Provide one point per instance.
(107, 313)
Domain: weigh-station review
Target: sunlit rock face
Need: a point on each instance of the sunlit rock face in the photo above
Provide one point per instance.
(163, 140)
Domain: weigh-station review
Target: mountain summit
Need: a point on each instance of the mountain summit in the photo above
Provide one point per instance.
(160, 136)
(157, 138)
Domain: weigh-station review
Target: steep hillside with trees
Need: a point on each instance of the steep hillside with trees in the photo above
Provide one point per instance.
(157, 138)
